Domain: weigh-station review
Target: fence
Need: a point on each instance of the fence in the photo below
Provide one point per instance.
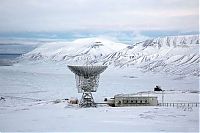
(179, 104)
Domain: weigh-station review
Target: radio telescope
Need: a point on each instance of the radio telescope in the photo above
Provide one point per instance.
(87, 81)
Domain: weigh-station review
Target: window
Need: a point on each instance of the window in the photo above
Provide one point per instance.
(145, 101)
(125, 101)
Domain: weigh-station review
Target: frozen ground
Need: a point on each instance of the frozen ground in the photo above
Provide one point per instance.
(30, 89)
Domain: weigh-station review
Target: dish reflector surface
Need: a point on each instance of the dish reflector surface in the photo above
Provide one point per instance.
(87, 71)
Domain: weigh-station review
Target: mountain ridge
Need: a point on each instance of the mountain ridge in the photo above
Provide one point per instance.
(172, 54)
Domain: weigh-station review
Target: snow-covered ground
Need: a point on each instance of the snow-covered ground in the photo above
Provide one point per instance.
(58, 117)
(30, 90)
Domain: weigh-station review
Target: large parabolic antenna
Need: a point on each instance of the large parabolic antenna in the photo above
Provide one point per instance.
(87, 81)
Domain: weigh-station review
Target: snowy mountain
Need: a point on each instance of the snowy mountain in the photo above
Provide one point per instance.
(81, 51)
(177, 55)
(174, 54)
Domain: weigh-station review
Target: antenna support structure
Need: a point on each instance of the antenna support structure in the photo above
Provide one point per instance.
(87, 81)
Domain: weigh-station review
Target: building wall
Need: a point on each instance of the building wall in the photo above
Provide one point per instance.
(135, 101)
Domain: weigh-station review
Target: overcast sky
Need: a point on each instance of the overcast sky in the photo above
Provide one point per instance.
(104, 15)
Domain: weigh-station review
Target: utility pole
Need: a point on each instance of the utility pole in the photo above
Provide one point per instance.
(162, 96)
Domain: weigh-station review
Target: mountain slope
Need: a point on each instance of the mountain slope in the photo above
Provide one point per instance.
(176, 55)
(81, 51)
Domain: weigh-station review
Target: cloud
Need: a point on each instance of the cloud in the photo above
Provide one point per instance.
(112, 15)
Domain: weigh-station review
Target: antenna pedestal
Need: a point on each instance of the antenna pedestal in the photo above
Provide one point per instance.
(87, 100)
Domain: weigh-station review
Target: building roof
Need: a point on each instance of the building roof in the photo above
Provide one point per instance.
(132, 95)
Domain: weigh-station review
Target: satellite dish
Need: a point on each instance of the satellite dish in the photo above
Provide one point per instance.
(87, 81)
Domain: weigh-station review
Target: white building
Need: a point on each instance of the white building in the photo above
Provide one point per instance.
(121, 100)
